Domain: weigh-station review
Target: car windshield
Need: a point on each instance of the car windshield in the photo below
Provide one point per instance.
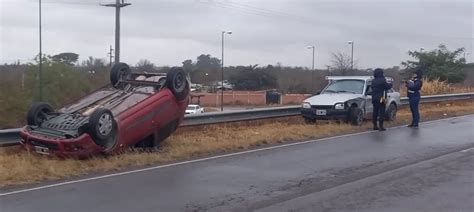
(191, 108)
(345, 86)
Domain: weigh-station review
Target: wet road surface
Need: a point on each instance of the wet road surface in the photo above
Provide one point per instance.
(402, 169)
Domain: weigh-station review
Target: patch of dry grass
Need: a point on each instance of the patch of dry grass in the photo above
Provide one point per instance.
(436, 86)
(17, 166)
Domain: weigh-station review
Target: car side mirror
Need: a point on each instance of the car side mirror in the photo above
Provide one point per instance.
(317, 93)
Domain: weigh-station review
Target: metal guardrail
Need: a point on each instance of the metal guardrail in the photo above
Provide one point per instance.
(10, 137)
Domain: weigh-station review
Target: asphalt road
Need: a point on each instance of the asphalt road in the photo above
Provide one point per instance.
(402, 169)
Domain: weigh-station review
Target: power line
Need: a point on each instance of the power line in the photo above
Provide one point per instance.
(295, 18)
(259, 12)
(272, 11)
(69, 2)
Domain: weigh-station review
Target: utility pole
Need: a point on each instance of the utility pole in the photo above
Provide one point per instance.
(117, 6)
(111, 55)
(40, 75)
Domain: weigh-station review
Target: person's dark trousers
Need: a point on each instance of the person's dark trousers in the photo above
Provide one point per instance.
(415, 113)
(378, 114)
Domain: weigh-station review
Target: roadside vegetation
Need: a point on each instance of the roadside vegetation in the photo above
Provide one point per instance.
(65, 79)
(17, 166)
(436, 86)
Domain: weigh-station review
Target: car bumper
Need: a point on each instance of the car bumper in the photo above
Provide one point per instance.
(79, 147)
(331, 114)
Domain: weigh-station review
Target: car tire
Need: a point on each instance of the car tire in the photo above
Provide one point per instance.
(178, 84)
(102, 128)
(391, 113)
(119, 72)
(309, 121)
(37, 113)
(356, 116)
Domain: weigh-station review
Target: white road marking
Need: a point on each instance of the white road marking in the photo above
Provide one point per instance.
(203, 159)
(467, 150)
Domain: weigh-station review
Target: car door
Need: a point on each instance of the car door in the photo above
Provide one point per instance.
(369, 108)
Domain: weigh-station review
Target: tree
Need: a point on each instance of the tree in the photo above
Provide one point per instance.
(67, 58)
(341, 62)
(188, 65)
(252, 78)
(438, 63)
(206, 62)
(94, 63)
(145, 65)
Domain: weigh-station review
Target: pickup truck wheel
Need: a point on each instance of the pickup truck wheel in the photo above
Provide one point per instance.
(356, 116)
(119, 72)
(103, 128)
(178, 84)
(391, 113)
(37, 113)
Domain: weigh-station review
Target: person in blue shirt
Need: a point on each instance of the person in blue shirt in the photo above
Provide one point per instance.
(413, 92)
(379, 96)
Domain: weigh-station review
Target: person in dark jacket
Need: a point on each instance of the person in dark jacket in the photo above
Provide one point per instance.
(380, 88)
(413, 92)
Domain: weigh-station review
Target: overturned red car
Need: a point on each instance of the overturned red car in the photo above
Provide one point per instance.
(140, 109)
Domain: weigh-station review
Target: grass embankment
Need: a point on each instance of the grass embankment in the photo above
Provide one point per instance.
(17, 166)
(62, 84)
(436, 86)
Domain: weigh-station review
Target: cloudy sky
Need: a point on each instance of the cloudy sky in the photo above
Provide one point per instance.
(168, 32)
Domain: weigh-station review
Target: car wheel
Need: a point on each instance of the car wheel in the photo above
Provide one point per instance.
(103, 128)
(38, 113)
(178, 84)
(309, 121)
(119, 72)
(356, 116)
(391, 113)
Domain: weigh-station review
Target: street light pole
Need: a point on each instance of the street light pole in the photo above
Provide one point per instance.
(40, 75)
(352, 55)
(312, 69)
(222, 69)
